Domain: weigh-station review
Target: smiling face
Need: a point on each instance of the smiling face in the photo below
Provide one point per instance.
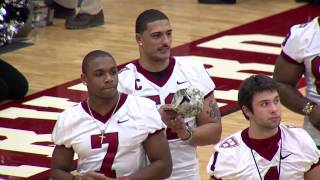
(101, 77)
(155, 41)
(266, 111)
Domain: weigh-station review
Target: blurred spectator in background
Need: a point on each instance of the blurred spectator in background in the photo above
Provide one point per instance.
(89, 15)
(13, 85)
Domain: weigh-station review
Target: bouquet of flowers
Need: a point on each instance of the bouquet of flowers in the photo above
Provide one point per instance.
(188, 102)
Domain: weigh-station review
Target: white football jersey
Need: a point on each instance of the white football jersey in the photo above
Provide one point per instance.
(121, 152)
(233, 158)
(180, 74)
(302, 46)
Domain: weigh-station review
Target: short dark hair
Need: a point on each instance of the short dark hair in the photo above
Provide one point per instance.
(93, 55)
(252, 85)
(148, 16)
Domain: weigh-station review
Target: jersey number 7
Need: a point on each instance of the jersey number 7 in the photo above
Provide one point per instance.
(112, 140)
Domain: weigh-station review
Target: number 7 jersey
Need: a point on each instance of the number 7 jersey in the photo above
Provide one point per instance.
(121, 152)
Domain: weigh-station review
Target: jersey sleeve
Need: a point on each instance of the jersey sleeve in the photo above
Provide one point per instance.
(211, 166)
(152, 119)
(146, 111)
(296, 44)
(222, 164)
(126, 78)
(309, 148)
(61, 134)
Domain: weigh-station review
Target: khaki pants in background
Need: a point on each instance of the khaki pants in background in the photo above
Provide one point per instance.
(87, 6)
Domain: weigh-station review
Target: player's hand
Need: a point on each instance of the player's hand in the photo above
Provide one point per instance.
(179, 126)
(315, 117)
(168, 114)
(174, 121)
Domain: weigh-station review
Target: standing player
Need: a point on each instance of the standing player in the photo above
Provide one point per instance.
(158, 76)
(301, 56)
(110, 132)
(267, 149)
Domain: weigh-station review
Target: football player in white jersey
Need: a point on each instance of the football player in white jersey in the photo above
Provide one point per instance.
(115, 135)
(267, 150)
(301, 56)
(158, 76)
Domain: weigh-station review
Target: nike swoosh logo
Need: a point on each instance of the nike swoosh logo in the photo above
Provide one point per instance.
(119, 122)
(284, 157)
(181, 82)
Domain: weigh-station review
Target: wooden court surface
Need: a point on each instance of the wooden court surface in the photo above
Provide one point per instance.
(56, 55)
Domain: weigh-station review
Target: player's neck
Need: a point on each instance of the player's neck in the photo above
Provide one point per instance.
(103, 105)
(152, 65)
(261, 133)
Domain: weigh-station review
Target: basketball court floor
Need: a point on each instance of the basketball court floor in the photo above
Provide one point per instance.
(233, 41)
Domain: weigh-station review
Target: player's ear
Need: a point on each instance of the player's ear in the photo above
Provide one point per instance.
(246, 111)
(139, 39)
(84, 78)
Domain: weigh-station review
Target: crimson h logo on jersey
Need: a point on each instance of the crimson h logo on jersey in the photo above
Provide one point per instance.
(229, 143)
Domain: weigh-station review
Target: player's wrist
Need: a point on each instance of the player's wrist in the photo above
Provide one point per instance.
(186, 135)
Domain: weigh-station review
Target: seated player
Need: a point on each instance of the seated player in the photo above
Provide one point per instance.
(267, 149)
